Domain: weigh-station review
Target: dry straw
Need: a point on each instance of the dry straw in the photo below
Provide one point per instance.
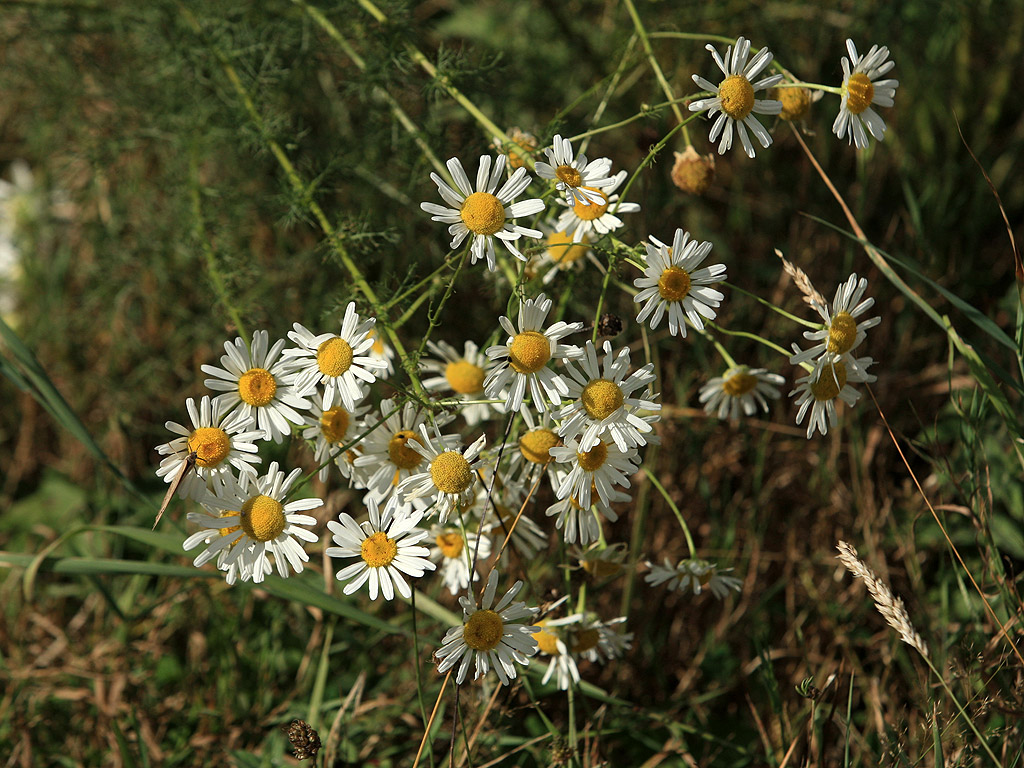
(803, 282)
(890, 606)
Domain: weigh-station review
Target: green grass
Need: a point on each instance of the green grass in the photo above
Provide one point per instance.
(187, 216)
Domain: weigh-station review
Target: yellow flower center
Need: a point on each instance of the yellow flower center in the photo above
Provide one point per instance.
(842, 334)
(334, 357)
(795, 102)
(451, 472)
(674, 284)
(529, 352)
(211, 446)
(536, 443)
(592, 211)
(601, 398)
(483, 213)
(860, 92)
(450, 544)
(464, 377)
(563, 251)
(483, 631)
(378, 550)
(739, 384)
(263, 518)
(594, 459)
(403, 455)
(546, 641)
(737, 95)
(601, 569)
(257, 386)
(585, 640)
(569, 175)
(829, 383)
(334, 424)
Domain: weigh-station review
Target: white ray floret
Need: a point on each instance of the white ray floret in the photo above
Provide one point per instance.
(740, 389)
(450, 475)
(860, 91)
(693, 575)
(578, 180)
(587, 223)
(818, 393)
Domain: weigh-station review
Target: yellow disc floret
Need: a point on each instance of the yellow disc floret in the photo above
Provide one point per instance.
(592, 211)
(263, 518)
(211, 446)
(795, 102)
(594, 459)
(483, 631)
(529, 352)
(230, 529)
(403, 455)
(674, 284)
(739, 384)
(464, 377)
(830, 383)
(536, 443)
(451, 472)
(334, 357)
(842, 334)
(378, 550)
(334, 424)
(257, 386)
(601, 398)
(563, 251)
(569, 175)
(483, 213)
(450, 543)
(547, 642)
(860, 92)
(737, 95)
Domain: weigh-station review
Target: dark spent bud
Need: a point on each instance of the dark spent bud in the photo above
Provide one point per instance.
(304, 738)
(609, 325)
(693, 173)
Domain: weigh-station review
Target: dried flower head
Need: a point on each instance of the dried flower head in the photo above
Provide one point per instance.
(304, 739)
(693, 173)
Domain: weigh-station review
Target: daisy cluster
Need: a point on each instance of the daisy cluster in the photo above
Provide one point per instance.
(734, 98)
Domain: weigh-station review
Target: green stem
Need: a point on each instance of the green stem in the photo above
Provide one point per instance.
(675, 509)
(774, 308)
(962, 711)
(645, 41)
(746, 335)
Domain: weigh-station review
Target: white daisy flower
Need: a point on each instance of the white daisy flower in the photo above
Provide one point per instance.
(462, 374)
(234, 568)
(338, 361)
(265, 524)
(577, 179)
(484, 212)
(381, 351)
(740, 388)
(220, 439)
(258, 384)
(560, 253)
(693, 574)
(386, 453)
(861, 89)
(581, 523)
(449, 476)
(599, 641)
(601, 468)
(734, 97)
(551, 637)
(819, 393)
(330, 430)
(602, 402)
(454, 552)
(672, 282)
(492, 637)
(589, 222)
(842, 332)
(532, 450)
(525, 356)
(387, 547)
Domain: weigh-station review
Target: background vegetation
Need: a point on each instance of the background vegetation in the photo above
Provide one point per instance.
(175, 223)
